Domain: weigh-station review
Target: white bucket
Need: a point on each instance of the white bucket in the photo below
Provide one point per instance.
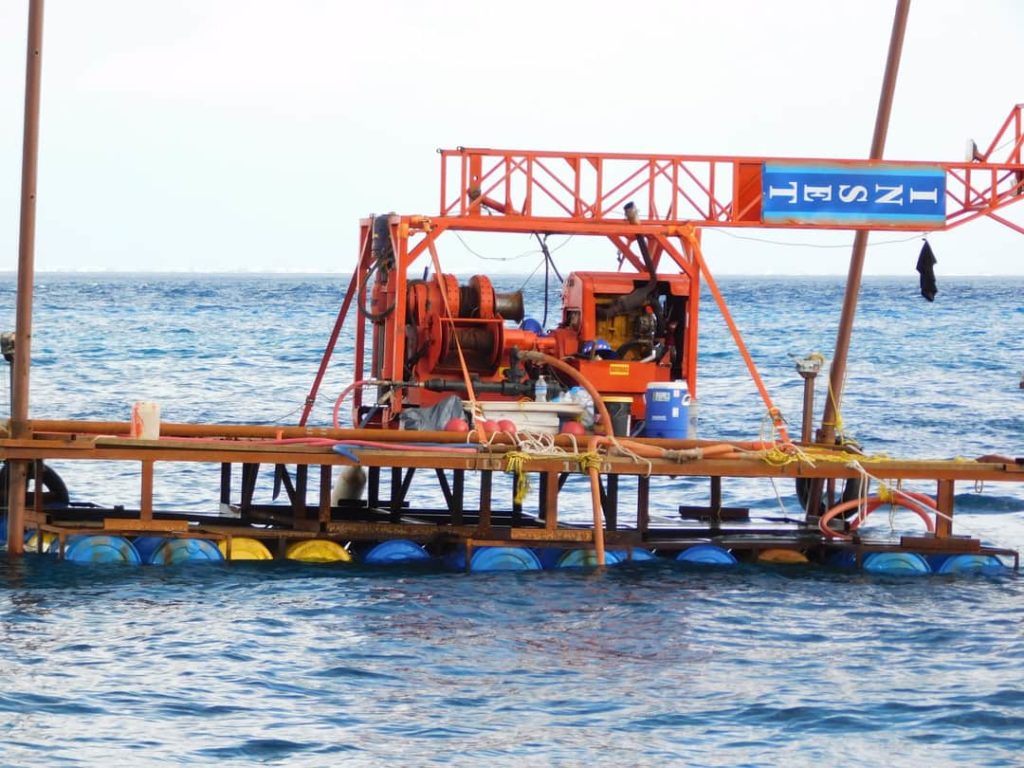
(145, 421)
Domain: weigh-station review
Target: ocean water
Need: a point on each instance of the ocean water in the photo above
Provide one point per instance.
(646, 664)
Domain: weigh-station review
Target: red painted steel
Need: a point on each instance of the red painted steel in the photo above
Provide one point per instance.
(584, 192)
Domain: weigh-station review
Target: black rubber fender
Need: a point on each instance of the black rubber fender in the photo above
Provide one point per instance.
(851, 490)
(55, 491)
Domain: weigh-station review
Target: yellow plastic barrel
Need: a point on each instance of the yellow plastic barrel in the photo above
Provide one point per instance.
(318, 551)
(32, 541)
(245, 548)
(782, 557)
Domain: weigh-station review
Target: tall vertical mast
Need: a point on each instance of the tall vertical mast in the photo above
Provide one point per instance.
(860, 240)
(20, 426)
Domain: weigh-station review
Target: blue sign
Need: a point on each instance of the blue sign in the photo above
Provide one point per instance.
(882, 195)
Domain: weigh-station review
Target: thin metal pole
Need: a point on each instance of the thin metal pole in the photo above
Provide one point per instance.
(20, 425)
(826, 434)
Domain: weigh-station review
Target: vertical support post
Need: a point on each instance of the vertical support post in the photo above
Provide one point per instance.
(485, 499)
(396, 494)
(458, 495)
(373, 488)
(299, 499)
(549, 494)
(225, 484)
(249, 474)
(808, 372)
(146, 502)
(21, 428)
(643, 503)
(716, 503)
(611, 502)
(325, 494)
(517, 506)
(944, 504)
(37, 497)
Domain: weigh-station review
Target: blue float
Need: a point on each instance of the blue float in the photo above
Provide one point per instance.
(101, 549)
(706, 554)
(587, 558)
(639, 555)
(147, 545)
(173, 551)
(495, 559)
(969, 563)
(844, 558)
(549, 556)
(395, 551)
(896, 564)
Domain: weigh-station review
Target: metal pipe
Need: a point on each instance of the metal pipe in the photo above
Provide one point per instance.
(826, 434)
(20, 426)
(807, 426)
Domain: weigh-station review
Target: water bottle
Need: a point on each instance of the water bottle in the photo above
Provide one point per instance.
(540, 390)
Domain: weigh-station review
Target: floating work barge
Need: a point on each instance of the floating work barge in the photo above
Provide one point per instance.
(625, 338)
(466, 517)
(621, 337)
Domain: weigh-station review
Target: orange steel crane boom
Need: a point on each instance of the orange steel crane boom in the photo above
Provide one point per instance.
(511, 190)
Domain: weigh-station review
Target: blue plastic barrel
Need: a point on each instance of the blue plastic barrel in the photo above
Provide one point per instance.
(639, 555)
(147, 545)
(970, 563)
(667, 410)
(396, 551)
(896, 563)
(549, 556)
(706, 554)
(587, 558)
(495, 559)
(101, 549)
(844, 558)
(173, 551)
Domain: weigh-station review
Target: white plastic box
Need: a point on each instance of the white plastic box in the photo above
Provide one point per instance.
(529, 416)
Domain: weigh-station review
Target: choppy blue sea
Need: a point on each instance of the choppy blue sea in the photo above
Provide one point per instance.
(290, 664)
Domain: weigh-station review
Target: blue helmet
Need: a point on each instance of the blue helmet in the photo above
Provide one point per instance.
(531, 325)
(598, 348)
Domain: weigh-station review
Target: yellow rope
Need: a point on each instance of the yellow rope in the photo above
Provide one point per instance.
(885, 494)
(589, 460)
(514, 462)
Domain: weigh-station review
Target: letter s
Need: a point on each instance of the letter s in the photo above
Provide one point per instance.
(853, 194)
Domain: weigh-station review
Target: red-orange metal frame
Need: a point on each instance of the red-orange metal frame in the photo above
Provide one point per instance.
(484, 187)
(584, 193)
(413, 236)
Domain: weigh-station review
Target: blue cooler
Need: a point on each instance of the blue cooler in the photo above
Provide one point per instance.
(667, 410)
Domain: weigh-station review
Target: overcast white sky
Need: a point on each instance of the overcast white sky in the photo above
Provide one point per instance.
(226, 135)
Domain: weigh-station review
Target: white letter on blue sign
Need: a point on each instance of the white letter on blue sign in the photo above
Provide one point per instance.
(853, 194)
(789, 192)
(892, 196)
(924, 194)
(817, 193)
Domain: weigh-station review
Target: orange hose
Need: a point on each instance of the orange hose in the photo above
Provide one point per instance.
(873, 503)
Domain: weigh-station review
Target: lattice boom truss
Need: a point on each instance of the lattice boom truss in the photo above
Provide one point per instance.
(482, 187)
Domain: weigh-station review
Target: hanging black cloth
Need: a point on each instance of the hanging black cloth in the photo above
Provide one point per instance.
(926, 266)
